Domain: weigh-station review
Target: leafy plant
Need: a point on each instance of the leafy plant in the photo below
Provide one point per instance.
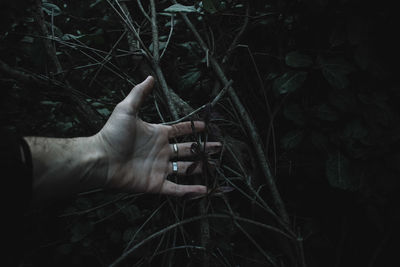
(315, 79)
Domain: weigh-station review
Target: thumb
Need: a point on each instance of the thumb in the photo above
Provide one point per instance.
(138, 94)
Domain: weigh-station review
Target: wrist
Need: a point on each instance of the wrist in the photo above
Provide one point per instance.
(63, 167)
(97, 159)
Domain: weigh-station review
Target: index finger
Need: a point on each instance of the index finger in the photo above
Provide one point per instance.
(184, 128)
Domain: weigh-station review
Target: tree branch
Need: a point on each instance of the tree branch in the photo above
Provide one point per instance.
(212, 103)
(51, 51)
(156, 60)
(248, 122)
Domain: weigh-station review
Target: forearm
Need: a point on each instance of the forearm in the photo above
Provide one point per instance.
(63, 167)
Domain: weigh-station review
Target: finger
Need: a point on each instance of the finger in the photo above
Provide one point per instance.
(184, 128)
(185, 149)
(137, 95)
(183, 167)
(173, 189)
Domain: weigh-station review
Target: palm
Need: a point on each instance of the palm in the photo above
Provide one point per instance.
(139, 153)
(139, 146)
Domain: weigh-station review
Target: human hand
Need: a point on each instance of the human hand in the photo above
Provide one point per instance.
(139, 153)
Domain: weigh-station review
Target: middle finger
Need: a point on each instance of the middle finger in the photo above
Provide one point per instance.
(183, 150)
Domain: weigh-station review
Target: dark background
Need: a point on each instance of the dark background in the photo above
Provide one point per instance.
(326, 72)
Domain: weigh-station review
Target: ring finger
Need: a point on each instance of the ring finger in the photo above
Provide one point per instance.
(181, 167)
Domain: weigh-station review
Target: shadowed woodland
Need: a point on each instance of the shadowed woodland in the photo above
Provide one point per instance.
(304, 96)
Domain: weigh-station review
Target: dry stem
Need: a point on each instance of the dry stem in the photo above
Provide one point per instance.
(248, 122)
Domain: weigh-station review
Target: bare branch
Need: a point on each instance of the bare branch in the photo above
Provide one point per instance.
(143, 11)
(154, 30)
(251, 128)
(51, 51)
(169, 35)
(212, 103)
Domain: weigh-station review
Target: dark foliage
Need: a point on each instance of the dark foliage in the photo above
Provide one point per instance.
(319, 78)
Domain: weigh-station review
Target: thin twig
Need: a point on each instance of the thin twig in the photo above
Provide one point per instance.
(271, 130)
(154, 31)
(156, 60)
(141, 227)
(268, 257)
(143, 11)
(125, 18)
(107, 58)
(166, 91)
(255, 243)
(238, 36)
(251, 128)
(193, 219)
(213, 103)
(144, 68)
(51, 51)
(169, 35)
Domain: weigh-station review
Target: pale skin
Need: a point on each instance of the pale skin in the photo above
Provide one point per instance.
(127, 154)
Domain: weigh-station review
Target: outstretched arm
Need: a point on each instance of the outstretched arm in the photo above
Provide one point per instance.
(63, 167)
(128, 154)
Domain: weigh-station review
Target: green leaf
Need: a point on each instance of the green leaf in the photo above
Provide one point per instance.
(335, 72)
(95, 3)
(209, 6)
(49, 103)
(272, 75)
(104, 111)
(297, 60)
(189, 79)
(69, 37)
(292, 139)
(51, 9)
(338, 172)
(97, 104)
(180, 8)
(289, 82)
(188, 45)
